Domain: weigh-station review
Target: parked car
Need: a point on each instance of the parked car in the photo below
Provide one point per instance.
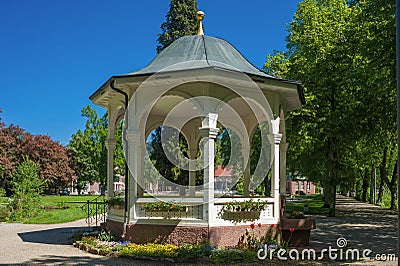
(64, 192)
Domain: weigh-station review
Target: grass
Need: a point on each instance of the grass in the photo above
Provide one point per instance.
(53, 216)
(314, 202)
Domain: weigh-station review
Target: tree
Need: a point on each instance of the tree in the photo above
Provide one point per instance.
(343, 52)
(88, 153)
(322, 51)
(26, 187)
(16, 144)
(180, 21)
(51, 159)
(87, 149)
(12, 140)
(171, 171)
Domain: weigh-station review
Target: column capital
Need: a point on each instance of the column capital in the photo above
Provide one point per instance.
(133, 136)
(284, 146)
(277, 138)
(209, 132)
(275, 125)
(110, 144)
(192, 153)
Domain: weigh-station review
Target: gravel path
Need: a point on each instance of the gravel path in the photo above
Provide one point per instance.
(363, 225)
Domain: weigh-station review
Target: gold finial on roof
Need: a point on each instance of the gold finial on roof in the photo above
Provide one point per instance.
(200, 16)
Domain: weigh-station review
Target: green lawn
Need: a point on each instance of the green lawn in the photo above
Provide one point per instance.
(315, 203)
(72, 213)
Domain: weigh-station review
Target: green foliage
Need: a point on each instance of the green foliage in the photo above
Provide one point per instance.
(224, 255)
(179, 21)
(194, 251)
(106, 235)
(26, 188)
(315, 205)
(116, 201)
(53, 216)
(87, 149)
(342, 52)
(169, 206)
(88, 152)
(247, 205)
(228, 142)
(157, 153)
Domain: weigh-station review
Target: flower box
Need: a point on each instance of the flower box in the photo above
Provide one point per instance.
(165, 210)
(118, 207)
(300, 237)
(241, 215)
(164, 206)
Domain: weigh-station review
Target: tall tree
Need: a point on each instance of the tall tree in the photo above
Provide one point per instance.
(12, 140)
(16, 145)
(322, 48)
(343, 52)
(52, 160)
(88, 153)
(170, 170)
(179, 21)
(87, 149)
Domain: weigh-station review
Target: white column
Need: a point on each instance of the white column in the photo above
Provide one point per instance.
(277, 139)
(282, 165)
(283, 148)
(209, 132)
(246, 179)
(192, 171)
(136, 167)
(110, 145)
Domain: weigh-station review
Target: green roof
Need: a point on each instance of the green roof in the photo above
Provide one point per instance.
(199, 51)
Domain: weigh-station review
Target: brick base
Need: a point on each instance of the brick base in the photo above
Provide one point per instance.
(148, 233)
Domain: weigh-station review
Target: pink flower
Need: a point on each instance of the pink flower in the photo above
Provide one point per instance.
(252, 226)
(291, 229)
(280, 228)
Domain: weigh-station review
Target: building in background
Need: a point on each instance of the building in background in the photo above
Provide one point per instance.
(299, 186)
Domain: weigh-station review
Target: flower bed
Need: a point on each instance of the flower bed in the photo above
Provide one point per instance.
(103, 243)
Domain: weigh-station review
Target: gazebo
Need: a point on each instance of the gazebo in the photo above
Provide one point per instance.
(195, 85)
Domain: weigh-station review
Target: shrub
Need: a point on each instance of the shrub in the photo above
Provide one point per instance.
(26, 188)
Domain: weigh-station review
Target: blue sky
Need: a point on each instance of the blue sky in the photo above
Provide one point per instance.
(56, 53)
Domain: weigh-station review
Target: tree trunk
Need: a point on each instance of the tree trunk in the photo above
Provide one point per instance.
(380, 191)
(393, 187)
(364, 186)
(332, 201)
(326, 196)
(357, 190)
(372, 189)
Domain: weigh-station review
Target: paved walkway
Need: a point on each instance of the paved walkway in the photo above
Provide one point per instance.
(32, 244)
(363, 225)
